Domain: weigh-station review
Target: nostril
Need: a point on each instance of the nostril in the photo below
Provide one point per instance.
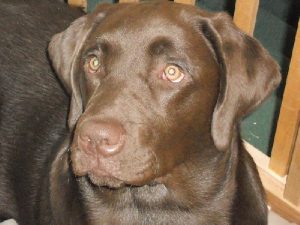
(87, 144)
(105, 138)
(108, 147)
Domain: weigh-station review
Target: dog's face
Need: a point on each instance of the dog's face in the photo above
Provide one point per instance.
(153, 86)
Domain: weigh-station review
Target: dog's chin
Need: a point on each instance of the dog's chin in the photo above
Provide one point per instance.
(104, 181)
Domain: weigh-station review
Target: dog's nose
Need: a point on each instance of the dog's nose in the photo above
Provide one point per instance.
(98, 137)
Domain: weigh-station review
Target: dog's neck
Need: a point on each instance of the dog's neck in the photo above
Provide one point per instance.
(189, 203)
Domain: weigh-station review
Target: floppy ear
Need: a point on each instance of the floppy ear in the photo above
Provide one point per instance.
(64, 49)
(249, 75)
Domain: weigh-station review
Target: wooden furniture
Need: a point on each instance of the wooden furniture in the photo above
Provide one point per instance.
(78, 3)
(83, 3)
(285, 159)
(245, 15)
(280, 173)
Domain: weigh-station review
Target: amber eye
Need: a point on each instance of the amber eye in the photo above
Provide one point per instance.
(93, 64)
(173, 73)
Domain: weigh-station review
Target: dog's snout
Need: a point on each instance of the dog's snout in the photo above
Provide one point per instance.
(104, 138)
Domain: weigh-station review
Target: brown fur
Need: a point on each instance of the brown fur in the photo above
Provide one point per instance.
(182, 161)
(181, 138)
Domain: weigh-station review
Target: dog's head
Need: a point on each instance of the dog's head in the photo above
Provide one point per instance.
(154, 84)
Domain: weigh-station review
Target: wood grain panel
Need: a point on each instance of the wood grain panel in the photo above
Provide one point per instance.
(190, 2)
(292, 187)
(245, 15)
(78, 3)
(288, 122)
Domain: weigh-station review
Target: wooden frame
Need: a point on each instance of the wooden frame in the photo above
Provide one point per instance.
(274, 186)
(83, 3)
(78, 3)
(190, 2)
(292, 188)
(288, 123)
(285, 159)
(283, 193)
(245, 15)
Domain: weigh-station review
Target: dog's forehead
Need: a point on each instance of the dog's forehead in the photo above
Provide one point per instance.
(139, 24)
(136, 15)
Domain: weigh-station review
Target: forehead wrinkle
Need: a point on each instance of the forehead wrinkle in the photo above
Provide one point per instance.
(129, 37)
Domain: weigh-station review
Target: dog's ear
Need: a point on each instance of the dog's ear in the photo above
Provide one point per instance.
(248, 75)
(64, 49)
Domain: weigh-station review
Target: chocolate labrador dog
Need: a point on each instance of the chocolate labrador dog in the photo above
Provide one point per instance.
(157, 93)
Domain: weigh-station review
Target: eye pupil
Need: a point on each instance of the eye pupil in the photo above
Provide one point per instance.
(93, 64)
(173, 73)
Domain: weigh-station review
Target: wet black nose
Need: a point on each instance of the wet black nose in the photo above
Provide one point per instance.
(99, 137)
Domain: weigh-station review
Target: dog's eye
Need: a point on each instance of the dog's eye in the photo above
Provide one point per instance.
(93, 64)
(173, 73)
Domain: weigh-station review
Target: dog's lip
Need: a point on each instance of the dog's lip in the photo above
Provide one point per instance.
(116, 183)
(101, 172)
(99, 177)
(105, 181)
(108, 172)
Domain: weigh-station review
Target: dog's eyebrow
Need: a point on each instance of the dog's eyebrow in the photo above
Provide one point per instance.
(160, 46)
(102, 44)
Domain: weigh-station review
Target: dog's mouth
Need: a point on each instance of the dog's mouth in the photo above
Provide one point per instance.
(106, 181)
(117, 171)
(114, 183)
